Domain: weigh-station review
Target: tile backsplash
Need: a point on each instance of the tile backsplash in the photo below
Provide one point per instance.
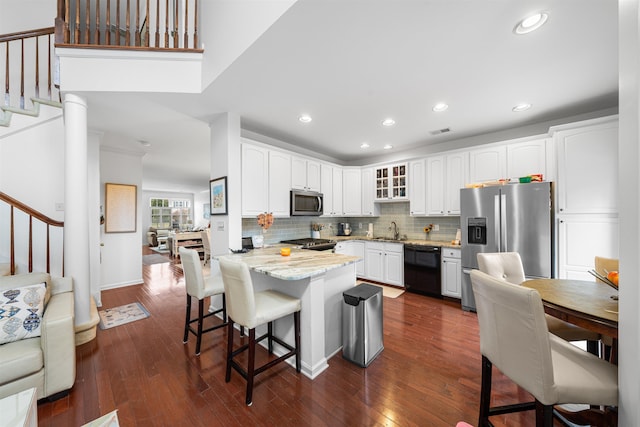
(409, 226)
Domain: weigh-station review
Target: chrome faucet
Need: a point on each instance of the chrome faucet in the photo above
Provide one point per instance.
(396, 233)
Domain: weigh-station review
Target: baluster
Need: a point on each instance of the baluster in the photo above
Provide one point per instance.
(146, 29)
(76, 30)
(87, 19)
(37, 67)
(127, 37)
(12, 249)
(22, 74)
(166, 24)
(97, 35)
(186, 24)
(107, 35)
(195, 26)
(30, 243)
(7, 96)
(49, 67)
(117, 35)
(48, 250)
(138, 42)
(66, 34)
(157, 23)
(175, 26)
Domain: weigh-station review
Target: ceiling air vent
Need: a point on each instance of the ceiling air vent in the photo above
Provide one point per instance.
(439, 131)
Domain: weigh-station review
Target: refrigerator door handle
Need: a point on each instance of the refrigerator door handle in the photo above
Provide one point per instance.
(503, 223)
(497, 223)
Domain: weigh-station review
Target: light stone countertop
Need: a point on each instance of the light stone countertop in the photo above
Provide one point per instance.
(301, 264)
(444, 244)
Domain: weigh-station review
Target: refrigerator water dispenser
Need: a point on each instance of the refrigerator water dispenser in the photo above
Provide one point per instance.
(477, 231)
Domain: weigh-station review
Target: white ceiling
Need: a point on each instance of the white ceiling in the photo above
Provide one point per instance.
(352, 63)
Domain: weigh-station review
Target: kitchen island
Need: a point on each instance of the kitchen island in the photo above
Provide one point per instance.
(318, 279)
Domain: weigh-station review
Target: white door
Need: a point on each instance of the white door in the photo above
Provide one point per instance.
(417, 191)
(255, 180)
(279, 183)
(435, 185)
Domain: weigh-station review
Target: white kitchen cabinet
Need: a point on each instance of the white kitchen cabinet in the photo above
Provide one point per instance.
(527, 158)
(384, 262)
(391, 182)
(580, 239)
(488, 163)
(587, 169)
(255, 180)
(451, 273)
(455, 179)
(352, 192)
(305, 174)
(374, 256)
(354, 248)
(435, 185)
(417, 190)
(279, 183)
(445, 177)
(368, 193)
(331, 188)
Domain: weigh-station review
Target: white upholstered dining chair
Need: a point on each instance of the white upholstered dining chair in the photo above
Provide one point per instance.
(507, 266)
(515, 339)
(206, 245)
(251, 309)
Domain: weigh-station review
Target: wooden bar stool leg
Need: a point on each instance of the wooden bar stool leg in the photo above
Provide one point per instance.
(296, 332)
(187, 320)
(200, 321)
(227, 377)
(251, 365)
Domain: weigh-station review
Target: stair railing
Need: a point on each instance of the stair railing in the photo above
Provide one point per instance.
(128, 24)
(35, 47)
(32, 215)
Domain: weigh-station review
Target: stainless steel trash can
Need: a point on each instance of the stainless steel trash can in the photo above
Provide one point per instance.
(362, 324)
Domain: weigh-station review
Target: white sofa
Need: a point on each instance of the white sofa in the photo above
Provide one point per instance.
(48, 362)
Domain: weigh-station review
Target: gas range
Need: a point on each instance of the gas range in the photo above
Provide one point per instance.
(313, 244)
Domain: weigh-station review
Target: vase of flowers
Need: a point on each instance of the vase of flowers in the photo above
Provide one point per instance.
(315, 230)
(265, 220)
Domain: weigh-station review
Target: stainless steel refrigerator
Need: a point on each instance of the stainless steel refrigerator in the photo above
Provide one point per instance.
(506, 218)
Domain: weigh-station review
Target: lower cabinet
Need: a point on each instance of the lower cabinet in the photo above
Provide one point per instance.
(451, 273)
(355, 248)
(384, 262)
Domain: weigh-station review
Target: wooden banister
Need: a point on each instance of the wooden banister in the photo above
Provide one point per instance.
(131, 25)
(33, 214)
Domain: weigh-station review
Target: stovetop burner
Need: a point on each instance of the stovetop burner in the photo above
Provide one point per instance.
(310, 243)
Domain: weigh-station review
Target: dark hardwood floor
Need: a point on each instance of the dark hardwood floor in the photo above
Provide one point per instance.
(427, 375)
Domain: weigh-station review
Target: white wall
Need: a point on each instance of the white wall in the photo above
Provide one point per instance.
(24, 15)
(231, 27)
(122, 252)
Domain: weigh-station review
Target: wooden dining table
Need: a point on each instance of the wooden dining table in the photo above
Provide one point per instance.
(586, 304)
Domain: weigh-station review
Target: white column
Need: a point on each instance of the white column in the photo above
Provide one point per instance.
(76, 217)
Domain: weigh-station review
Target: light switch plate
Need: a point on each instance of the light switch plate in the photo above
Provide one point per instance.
(220, 225)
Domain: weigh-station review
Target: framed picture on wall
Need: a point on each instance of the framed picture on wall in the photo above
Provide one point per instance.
(120, 208)
(218, 196)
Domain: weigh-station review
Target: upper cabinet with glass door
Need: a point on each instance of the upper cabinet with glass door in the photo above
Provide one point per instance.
(391, 182)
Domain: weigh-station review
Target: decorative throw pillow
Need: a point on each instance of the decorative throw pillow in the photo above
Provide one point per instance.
(21, 311)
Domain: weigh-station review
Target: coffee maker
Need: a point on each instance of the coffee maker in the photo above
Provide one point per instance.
(344, 229)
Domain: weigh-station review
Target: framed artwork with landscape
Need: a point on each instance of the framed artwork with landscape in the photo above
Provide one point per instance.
(218, 196)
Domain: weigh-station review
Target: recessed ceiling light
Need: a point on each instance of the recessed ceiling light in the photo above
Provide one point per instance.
(521, 107)
(364, 145)
(388, 147)
(305, 118)
(441, 106)
(531, 23)
(388, 122)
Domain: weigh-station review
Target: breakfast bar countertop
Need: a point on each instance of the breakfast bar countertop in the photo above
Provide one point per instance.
(441, 243)
(301, 264)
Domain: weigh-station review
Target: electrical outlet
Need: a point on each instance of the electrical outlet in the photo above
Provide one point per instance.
(360, 225)
(436, 227)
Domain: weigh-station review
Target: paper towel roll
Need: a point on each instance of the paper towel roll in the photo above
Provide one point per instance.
(370, 231)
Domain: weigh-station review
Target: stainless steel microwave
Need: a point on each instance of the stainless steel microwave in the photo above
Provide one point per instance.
(306, 203)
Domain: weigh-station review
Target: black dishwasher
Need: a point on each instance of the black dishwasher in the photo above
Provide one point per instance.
(422, 270)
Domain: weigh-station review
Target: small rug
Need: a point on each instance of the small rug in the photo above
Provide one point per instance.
(154, 259)
(387, 291)
(112, 317)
